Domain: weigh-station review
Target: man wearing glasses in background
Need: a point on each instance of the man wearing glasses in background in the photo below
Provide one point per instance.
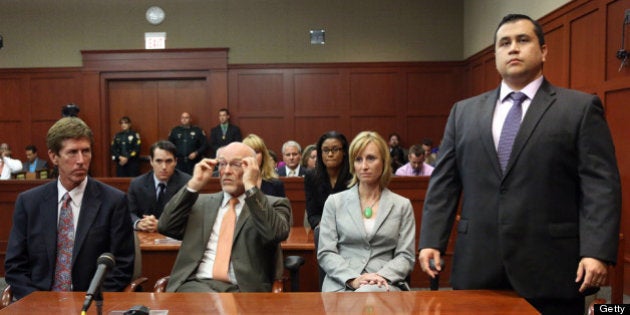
(229, 238)
(150, 192)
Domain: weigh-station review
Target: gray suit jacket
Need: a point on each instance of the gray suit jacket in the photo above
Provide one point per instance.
(142, 195)
(559, 199)
(263, 223)
(346, 250)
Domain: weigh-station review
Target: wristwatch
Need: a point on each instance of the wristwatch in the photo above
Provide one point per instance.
(252, 191)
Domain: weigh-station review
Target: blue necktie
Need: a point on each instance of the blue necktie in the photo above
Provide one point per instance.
(510, 129)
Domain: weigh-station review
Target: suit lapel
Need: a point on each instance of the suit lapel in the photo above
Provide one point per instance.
(352, 204)
(149, 190)
(487, 106)
(240, 221)
(90, 207)
(49, 212)
(384, 209)
(543, 99)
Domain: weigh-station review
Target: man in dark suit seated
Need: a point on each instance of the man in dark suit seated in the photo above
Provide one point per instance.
(149, 193)
(229, 238)
(33, 163)
(62, 227)
(292, 157)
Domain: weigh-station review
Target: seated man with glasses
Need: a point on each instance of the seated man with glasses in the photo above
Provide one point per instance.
(229, 238)
(148, 193)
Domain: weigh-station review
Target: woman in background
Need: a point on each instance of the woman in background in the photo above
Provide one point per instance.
(330, 175)
(270, 184)
(367, 233)
(309, 157)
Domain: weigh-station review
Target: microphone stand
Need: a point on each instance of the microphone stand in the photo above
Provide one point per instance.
(98, 298)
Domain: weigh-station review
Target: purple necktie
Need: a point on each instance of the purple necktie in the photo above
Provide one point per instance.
(65, 243)
(510, 129)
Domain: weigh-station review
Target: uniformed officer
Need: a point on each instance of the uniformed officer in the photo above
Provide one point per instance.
(125, 150)
(190, 142)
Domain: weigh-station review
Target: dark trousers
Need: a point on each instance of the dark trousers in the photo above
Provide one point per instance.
(130, 169)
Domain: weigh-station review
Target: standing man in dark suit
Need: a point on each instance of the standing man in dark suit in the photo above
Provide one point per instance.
(149, 193)
(543, 219)
(224, 133)
(246, 260)
(33, 163)
(190, 142)
(62, 227)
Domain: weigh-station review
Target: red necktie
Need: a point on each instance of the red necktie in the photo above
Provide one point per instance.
(65, 243)
(224, 245)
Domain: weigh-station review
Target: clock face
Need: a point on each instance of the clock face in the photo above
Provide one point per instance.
(155, 15)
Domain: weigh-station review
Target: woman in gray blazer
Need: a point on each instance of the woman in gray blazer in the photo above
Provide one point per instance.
(366, 239)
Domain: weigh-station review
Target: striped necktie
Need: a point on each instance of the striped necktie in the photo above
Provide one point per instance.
(510, 128)
(65, 243)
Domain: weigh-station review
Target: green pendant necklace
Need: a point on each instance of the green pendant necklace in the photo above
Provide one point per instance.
(367, 212)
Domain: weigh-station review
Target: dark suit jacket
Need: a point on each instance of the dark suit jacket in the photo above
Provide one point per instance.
(103, 226)
(142, 195)
(559, 199)
(232, 134)
(39, 165)
(263, 223)
(282, 171)
(273, 187)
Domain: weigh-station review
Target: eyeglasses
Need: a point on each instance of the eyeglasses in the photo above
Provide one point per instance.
(334, 150)
(235, 165)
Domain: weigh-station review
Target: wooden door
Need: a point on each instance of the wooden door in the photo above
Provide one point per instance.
(154, 107)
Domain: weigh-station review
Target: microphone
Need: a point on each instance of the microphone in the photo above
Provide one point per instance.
(104, 263)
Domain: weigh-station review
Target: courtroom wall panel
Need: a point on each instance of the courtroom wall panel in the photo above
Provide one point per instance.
(587, 40)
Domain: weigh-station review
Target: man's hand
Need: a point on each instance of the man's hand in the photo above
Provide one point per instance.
(425, 255)
(251, 173)
(122, 160)
(148, 223)
(192, 155)
(593, 271)
(202, 174)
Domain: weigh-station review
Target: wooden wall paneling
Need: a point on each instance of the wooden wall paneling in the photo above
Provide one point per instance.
(618, 115)
(179, 95)
(556, 64)
(259, 101)
(477, 75)
(432, 93)
(374, 92)
(15, 118)
(492, 78)
(308, 129)
(421, 127)
(587, 46)
(615, 11)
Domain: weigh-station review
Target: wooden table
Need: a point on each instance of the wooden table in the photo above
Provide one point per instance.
(159, 253)
(416, 302)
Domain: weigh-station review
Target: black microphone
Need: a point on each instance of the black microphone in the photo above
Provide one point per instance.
(104, 263)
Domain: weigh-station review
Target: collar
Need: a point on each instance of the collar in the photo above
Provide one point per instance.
(529, 90)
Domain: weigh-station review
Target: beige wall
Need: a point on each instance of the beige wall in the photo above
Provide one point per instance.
(45, 33)
(481, 18)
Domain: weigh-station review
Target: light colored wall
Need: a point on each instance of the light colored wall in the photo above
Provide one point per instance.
(47, 33)
(481, 18)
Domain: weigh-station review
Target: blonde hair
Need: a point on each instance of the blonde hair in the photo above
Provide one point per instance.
(359, 143)
(267, 167)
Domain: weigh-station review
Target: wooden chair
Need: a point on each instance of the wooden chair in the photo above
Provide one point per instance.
(292, 263)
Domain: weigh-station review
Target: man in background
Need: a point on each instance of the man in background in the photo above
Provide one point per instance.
(416, 165)
(62, 227)
(33, 163)
(292, 156)
(148, 193)
(224, 133)
(125, 150)
(190, 142)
